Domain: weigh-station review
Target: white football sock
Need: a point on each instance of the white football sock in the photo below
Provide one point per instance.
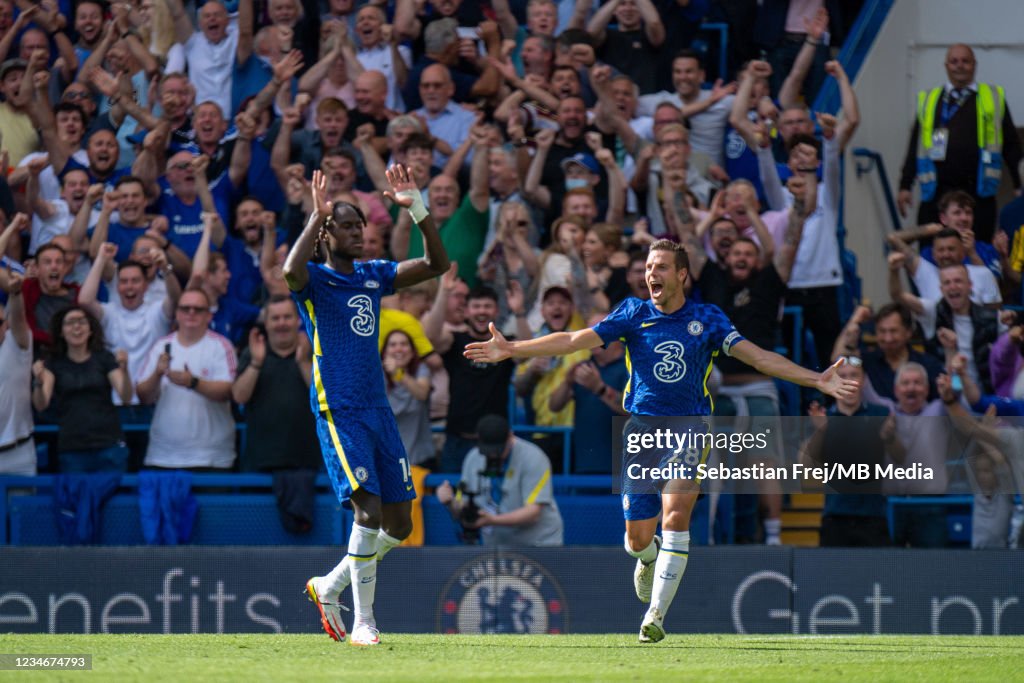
(385, 542)
(669, 568)
(329, 587)
(362, 554)
(647, 555)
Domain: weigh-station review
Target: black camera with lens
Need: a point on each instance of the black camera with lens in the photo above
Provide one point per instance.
(468, 516)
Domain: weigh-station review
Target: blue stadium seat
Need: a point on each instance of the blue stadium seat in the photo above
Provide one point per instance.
(224, 519)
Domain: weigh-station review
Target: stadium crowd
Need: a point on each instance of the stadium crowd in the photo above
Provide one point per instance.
(157, 162)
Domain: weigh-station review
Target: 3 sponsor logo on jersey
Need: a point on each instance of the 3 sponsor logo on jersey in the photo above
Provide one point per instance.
(510, 594)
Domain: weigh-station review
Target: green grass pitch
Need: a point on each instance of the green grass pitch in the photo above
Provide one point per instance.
(616, 657)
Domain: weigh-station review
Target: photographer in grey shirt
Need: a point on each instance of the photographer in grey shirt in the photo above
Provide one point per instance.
(506, 490)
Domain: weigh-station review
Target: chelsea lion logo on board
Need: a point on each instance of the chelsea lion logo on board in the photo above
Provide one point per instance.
(695, 328)
(361, 474)
(507, 594)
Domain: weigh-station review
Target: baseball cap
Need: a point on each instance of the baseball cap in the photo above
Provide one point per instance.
(492, 434)
(582, 159)
(12, 65)
(556, 289)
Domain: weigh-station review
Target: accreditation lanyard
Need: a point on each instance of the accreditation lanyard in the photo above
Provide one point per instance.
(951, 105)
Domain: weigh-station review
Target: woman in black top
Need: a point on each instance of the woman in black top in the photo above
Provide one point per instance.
(80, 374)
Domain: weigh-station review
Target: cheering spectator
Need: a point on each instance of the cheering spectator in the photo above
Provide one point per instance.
(188, 375)
(17, 450)
(273, 384)
(135, 322)
(46, 293)
(79, 376)
(408, 386)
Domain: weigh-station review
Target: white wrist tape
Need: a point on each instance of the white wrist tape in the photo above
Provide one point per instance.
(418, 209)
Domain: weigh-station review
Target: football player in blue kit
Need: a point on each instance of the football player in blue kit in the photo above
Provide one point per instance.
(670, 343)
(339, 301)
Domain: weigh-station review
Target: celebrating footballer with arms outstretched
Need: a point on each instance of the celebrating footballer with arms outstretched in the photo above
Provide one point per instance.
(663, 336)
(339, 301)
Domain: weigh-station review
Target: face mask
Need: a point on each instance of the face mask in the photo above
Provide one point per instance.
(574, 183)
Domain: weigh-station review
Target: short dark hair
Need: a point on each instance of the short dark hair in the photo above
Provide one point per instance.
(99, 3)
(50, 246)
(891, 308)
(682, 258)
(946, 233)
(344, 153)
(417, 140)
(565, 67)
(72, 107)
(482, 292)
(67, 174)
(127, 180)
(277, 299)
(250, 198)
(637, 256)
(958, 197)
(690, 53)
(804, 139)
(723, 219)
(341, 204)
(745, 240)
(131, 263)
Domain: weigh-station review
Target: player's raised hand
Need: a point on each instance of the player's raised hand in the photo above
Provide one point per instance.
(829, 382)
(494, 350)
(321, 205)
(402, 185)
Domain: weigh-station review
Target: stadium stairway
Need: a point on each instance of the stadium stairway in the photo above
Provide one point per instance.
(801, 519)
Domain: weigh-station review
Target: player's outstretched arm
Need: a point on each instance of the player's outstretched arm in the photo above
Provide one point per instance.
(405, 194)
(497, 348)
(296, 273)
(774, 365)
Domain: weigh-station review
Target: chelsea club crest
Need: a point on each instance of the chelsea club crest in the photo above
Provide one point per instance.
(506, 594)
(695, 328)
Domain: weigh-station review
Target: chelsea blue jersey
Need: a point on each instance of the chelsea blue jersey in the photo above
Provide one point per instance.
(668, 356)
(341, 314)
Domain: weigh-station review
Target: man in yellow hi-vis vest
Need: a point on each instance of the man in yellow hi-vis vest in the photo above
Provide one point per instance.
(963, 137)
